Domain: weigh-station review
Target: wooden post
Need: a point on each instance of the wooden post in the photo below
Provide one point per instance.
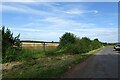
(44, 46)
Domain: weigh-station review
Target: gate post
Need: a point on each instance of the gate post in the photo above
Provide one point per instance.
(44, 46)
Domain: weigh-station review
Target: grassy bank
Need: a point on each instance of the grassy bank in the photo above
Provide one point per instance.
(26, 54)
(46, 66)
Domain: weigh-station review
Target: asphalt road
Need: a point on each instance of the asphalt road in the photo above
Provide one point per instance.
(103, 65)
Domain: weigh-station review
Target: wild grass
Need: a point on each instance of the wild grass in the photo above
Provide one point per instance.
(47, 66)
(26, 54)
(52, 61)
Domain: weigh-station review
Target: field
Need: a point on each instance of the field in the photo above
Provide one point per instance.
(39, 46)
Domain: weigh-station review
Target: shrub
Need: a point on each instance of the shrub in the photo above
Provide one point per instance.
(69, 43)
(86, 44)
(21, 55)
(72, 49)
(67, 38)
(96, 44)
(10, 55)
(9, 43)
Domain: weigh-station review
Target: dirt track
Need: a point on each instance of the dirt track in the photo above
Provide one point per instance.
(103, 65)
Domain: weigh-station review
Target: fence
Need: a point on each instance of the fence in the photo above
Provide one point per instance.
(39, 45)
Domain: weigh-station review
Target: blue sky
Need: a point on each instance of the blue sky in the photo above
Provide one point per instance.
(47, 21)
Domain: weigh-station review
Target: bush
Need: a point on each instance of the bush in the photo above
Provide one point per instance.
(26, 54)
(10, 55)
(9, 43)
(72, 49)
(21, 55)
(86, 44)
(52, 52)
(96, 44)
(67, 38)
(73, 45)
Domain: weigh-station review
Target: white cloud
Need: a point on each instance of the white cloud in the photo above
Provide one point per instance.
(77, 11)
(95, 11)
(12, 8)
(23, 9)
(62, 22)
(74, 12)
(55, 11)
(26, 29)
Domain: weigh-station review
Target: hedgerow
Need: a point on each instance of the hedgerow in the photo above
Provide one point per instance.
(71, 44)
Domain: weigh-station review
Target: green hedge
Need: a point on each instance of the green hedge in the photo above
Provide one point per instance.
(77, 45)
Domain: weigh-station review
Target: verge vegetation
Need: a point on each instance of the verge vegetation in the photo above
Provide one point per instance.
(52, 63)
(45, 67)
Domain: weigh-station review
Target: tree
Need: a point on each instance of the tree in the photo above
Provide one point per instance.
(8, 41)
(86, 44)
(96, 44)
(67, 38)
(17, 41)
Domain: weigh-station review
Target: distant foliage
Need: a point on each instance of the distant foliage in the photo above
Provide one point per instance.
(71, 44)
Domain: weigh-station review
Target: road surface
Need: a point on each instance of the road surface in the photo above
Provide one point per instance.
(103, 65)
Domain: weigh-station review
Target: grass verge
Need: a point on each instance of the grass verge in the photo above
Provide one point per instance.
(47, 66)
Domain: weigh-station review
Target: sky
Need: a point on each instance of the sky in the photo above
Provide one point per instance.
(48, 21)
